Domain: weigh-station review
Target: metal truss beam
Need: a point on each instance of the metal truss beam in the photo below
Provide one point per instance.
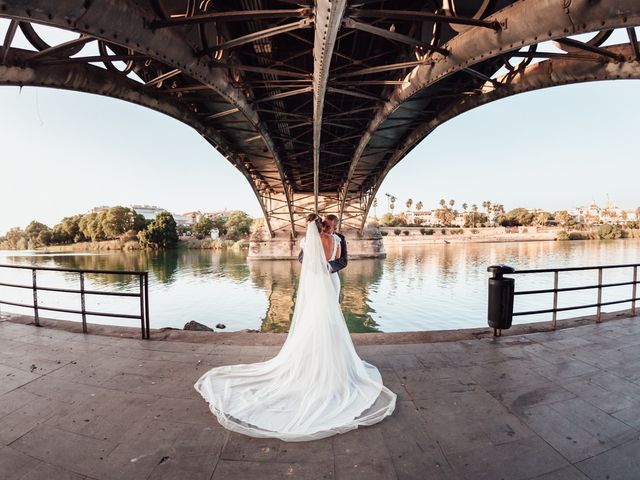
(550, 73)
(233, 16)
(328, 18)
(526, 22)
(124, 22)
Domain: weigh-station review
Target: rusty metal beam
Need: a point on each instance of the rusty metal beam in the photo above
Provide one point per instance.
(396, 37)
(553, 72)
(233, 16)
(8, 39)
(262, 34)
(528, 22)
(328, 18)
(413, 15)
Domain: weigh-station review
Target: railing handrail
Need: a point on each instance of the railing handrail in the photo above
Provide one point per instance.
(143, 294)
(501, 312)
(575, 269)
(74, 270)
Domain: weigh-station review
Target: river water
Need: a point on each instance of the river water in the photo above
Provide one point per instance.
(426, 287)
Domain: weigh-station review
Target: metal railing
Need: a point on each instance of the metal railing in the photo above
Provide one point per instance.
(598, 304)
(142, 294)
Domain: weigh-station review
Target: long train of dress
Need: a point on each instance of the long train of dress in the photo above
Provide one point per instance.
(316, 386)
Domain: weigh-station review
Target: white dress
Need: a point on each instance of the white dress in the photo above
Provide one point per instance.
(316, 386)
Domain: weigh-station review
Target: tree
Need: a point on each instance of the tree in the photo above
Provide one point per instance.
(117, 220)
(220, 224)
(33, 231)
(85, 224)
(139, 222)
(202, 228)
(409, 203)
(419, 205)
(238, 225)
(388, 220)
(374, 204)
(452, 202)
(160, 233)
(562, 217)
(474, 211)
(542, 218)
(443, 202)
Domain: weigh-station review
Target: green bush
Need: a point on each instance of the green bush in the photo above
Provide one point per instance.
(383, 233)
(562, 235)
(397, 231)
(405, 232)
(443, 231)
(429, 231)
(475, 231)
(578, 236)
(456, 231)
(609, 232)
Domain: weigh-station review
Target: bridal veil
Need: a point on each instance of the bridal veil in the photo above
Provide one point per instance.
(316, 386)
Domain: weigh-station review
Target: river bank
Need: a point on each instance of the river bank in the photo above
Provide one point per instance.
(133, 245)
(397, 236)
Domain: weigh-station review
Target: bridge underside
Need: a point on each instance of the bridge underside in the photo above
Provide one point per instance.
(315, 102)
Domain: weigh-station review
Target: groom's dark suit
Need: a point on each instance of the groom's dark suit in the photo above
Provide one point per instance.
(340, 262)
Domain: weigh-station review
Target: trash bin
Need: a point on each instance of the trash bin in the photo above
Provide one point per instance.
(500, 310)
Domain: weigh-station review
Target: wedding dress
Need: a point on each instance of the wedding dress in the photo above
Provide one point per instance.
(316, 386)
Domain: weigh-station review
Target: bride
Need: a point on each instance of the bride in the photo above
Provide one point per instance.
(316, 386)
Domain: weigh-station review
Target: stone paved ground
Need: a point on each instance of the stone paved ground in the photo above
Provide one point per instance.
(558, 405)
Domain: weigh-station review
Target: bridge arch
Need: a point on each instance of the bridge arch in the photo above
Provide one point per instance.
(315, 104)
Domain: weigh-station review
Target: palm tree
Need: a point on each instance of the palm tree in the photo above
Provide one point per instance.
(452, 202)
(419, 205)
(474, 209)
(464, 207)
(443, 202)
(409, 203)
(375, 206)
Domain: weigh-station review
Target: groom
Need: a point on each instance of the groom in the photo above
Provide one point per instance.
(340, 262)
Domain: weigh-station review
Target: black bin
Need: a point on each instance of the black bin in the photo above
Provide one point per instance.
(500, 311)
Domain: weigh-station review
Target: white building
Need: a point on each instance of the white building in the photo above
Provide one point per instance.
(149, 212)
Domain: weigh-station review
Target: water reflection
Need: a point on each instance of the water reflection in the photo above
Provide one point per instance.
(279, 280)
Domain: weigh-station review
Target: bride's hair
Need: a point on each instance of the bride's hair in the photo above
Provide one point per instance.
(314, 217)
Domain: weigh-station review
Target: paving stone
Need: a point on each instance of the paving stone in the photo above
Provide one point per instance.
(367, 468)
(46, 471)
(14, 400)
(520, 398)
(601, 397)
(572, 441)
(414, 453)
(70, 451)
(231, 470)
(568, 369)
(13, 378)
(14, 464)
(523, 459)
(242, 448)
(622, 463)
(566, 473)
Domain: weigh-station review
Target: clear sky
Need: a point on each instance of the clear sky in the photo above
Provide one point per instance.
(63, 153)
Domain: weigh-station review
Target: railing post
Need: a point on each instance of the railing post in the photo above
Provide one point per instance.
(82, 304)
(599, 311)
(555, 299)
(142, 324)
(146, 302)
(634, 290)
(36, 316)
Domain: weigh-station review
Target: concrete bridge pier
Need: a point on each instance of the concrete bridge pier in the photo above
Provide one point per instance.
(282, 245)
